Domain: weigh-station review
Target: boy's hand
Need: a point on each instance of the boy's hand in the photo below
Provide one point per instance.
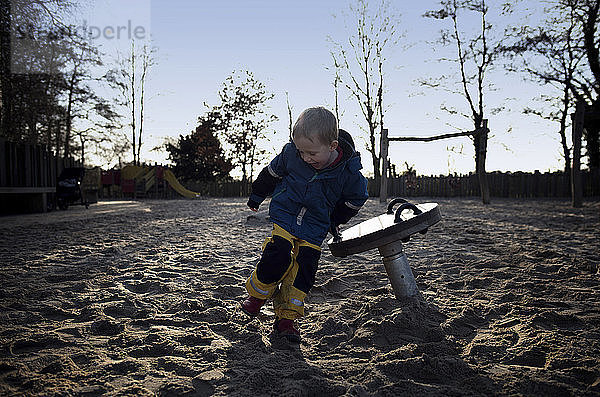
(335, 232)
(253, 205)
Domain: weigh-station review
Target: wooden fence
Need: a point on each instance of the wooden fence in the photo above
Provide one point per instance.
(28, 176)
(220, 189)
(502, 184)
(33, 169)
(29, 166)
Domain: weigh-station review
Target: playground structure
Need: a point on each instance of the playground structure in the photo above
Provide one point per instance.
(481, 134)
(585, 118)
(142, 182)
(387, 232)
(33, 179)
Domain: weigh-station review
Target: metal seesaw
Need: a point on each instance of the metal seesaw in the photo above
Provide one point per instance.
(387, 232)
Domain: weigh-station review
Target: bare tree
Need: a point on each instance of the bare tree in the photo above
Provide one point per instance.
(336, 85)
(147, 60)
(132, 102)
(129, 79)
(289, 108)
(549, 54)
(114, 150)
(587, 83)
(563, 52)
(474, 56)
(361, 63)
(101, 126)
(80, 98)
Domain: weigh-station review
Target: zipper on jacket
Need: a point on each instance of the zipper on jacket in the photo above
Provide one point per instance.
(300, 216)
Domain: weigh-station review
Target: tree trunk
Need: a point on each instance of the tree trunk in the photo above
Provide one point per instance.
(482, 175)
(476, 146)
(577, 125)
(383, 146)
(374, 157)
(566, 153)
(563, 132)
(135, 159)
(69, 118)
(289, 108)
(477, 142)
(592, 146)
(591, 134)
(139, 146)
(82, 150)
(58, 141)
(145, 66)
(592, 130)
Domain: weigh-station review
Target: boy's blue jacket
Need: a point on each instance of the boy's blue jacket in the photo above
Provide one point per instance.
(306, 201)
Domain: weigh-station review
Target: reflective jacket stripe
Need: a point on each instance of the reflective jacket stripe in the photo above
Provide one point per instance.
(352, 206)
(273, 173)
(260, 291)
(300, 216)
(297, 302)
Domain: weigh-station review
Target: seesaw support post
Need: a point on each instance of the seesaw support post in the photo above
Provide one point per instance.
(398, 270)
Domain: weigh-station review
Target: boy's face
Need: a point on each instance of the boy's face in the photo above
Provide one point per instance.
(315, 153)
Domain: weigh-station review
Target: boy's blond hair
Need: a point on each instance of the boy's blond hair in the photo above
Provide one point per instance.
(316, 122)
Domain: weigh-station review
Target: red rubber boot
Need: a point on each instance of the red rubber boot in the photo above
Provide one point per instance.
(251, 306)
(287, 329)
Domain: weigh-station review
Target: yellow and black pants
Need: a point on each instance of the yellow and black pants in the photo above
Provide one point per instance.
(285, 272)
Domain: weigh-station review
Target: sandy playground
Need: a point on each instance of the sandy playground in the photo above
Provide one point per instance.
(141, 298)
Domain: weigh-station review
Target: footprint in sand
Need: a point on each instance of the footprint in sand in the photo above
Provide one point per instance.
(106, 327)
(38, 342)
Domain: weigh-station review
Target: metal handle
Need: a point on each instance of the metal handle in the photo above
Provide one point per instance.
(403, 207)
(337, 236)
(390, 208)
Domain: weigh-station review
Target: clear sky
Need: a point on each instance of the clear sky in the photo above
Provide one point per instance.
(284, 43)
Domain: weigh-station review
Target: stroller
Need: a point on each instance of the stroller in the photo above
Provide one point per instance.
(68, 188)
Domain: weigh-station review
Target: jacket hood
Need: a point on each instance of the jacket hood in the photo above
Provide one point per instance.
(349, 153)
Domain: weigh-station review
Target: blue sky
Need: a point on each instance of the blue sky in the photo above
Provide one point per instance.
(284, 43)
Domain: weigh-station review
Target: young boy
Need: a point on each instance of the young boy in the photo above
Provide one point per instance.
(315, 185)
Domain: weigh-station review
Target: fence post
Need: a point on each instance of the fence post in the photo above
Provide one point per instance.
(577, 131)
(383, 154)
(28, 163)
(3, 164)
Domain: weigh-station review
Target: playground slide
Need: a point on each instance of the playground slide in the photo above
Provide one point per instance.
(132, 171)
(178, 187)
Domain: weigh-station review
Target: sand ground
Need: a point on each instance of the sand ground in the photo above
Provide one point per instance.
(141, 298)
